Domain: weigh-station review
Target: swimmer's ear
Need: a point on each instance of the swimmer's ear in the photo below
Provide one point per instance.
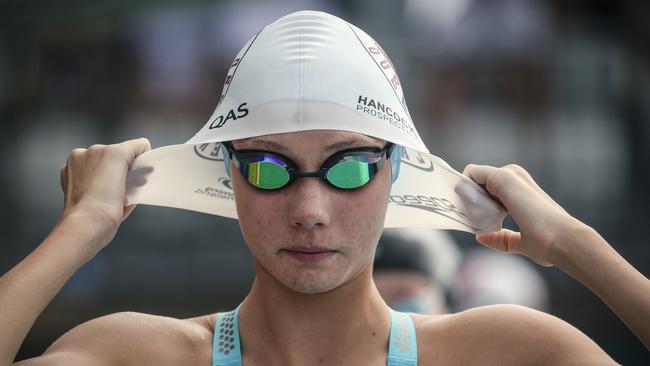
(395, 162)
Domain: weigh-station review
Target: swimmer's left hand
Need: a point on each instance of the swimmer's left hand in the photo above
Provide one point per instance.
(550, 236)
(543, 224)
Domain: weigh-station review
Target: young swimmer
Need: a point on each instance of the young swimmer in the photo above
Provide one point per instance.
(312, 238)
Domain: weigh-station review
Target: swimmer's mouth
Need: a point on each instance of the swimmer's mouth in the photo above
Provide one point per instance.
(308, 249)
(309, 254)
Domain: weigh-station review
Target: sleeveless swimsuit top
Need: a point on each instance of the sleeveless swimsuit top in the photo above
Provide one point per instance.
(402, 344)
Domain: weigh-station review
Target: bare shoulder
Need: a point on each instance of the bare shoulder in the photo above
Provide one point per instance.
(504, 334)
(130, 338)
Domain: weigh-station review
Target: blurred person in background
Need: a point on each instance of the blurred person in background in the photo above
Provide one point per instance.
(485, 278)
(93, 183)
(424, 271)
(413, 269)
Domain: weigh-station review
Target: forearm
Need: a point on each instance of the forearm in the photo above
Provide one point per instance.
(27, 288)
(588, 258)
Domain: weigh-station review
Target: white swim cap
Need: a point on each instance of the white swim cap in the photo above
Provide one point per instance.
(312, 71)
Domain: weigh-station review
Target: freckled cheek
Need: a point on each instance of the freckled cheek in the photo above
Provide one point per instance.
(361, 215)
(258, 213)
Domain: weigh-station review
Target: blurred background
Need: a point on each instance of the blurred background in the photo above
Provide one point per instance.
(560, 87)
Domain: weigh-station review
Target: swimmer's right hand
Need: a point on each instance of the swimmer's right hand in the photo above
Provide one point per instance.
(94, 186)
(93, 182)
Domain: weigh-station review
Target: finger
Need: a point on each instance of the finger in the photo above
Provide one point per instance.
(479, 173)
(488, 176)
(522, 173)
(491, 178)
(138, 146)
(506, 184)
(135, 147)
(504, 241)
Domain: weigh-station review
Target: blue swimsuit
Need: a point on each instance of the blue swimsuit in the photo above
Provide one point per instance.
(402, 344)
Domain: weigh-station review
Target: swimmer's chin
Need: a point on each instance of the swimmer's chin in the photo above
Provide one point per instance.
(311, 288)
(320, 282)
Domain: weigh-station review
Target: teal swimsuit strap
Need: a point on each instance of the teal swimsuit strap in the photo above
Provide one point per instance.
(226, 349)
(402, 344)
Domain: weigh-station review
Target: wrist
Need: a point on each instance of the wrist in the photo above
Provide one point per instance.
(88, 230)
(572, 242)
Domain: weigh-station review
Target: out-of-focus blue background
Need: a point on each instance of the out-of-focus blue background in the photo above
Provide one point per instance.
(560, 87)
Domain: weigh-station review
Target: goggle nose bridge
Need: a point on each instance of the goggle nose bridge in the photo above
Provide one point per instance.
(293, 173)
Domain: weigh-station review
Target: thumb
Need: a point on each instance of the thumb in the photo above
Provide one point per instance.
(504, 240)
(135, 147)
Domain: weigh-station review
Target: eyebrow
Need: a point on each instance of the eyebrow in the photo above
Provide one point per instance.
(267, 145)
(346, 144)
(274, 146)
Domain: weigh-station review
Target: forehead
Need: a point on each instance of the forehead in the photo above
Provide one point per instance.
(321, 140)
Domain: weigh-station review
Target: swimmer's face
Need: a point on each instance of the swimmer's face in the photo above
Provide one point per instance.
(309, 236)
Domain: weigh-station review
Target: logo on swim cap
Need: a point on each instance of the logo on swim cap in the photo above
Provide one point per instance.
(382, 111)
(221, 120)
(383, 62)
(416, 160)
(436, 205)
(233, 68)
(227, 182)
(210, 151)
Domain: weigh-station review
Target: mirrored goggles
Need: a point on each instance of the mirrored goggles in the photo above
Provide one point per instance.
(346, 169)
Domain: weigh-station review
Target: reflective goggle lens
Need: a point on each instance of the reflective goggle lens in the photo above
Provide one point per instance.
(266, 175)
(350, 174)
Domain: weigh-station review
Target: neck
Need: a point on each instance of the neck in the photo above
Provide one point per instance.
(351, 320)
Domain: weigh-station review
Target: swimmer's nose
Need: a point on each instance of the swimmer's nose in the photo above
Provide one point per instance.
(310, 203)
